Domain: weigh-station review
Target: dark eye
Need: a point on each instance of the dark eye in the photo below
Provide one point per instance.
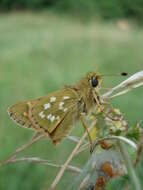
(94, 82)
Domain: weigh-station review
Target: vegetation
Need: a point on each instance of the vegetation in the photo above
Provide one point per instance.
(39, 53)
(103, 9)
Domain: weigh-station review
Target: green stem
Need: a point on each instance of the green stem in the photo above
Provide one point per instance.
(129, 166)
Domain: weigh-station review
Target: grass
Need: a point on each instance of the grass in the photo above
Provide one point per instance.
(41, 52)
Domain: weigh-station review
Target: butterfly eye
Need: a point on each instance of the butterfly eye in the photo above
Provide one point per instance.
(94, 81)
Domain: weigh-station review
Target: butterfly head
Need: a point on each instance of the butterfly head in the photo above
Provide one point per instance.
(94, 80)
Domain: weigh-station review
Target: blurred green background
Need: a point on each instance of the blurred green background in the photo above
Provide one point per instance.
(42, 50)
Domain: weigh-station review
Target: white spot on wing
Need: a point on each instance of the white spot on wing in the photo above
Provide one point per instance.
(47, 106)
(61, 105)
(49, 116)
(41, 114)
(52, 118)
(58, 118)
(53, 99)
(65, 109)
(66, 97)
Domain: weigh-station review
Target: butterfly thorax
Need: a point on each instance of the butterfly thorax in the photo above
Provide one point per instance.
(85, 93)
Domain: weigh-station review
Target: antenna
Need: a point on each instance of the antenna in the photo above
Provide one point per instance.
(124, 74)
(120, 74)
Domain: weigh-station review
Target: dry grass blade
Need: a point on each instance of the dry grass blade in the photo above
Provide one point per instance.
(132, 82)
(61, 172)
(74, 138)
(83, 148)
(36, 137)
(44, 162)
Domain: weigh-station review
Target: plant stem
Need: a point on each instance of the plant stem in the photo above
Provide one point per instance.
(129, 166)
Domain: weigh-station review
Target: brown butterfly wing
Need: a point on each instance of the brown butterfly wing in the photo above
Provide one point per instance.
(56, 113)
(18, 113)
(65, 126)
(62, 105)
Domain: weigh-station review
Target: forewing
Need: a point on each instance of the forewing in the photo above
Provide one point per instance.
(51, 111)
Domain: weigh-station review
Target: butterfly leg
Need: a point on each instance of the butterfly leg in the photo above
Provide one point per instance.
(101, 106)
(86, 128)
(98, 101)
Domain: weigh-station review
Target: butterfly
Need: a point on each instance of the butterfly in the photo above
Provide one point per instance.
(55, 115)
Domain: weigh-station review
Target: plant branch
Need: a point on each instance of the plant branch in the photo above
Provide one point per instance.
(132, 82)
(36, 137)
(44, 162)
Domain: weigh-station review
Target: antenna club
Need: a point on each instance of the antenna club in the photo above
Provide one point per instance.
(124, 74)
